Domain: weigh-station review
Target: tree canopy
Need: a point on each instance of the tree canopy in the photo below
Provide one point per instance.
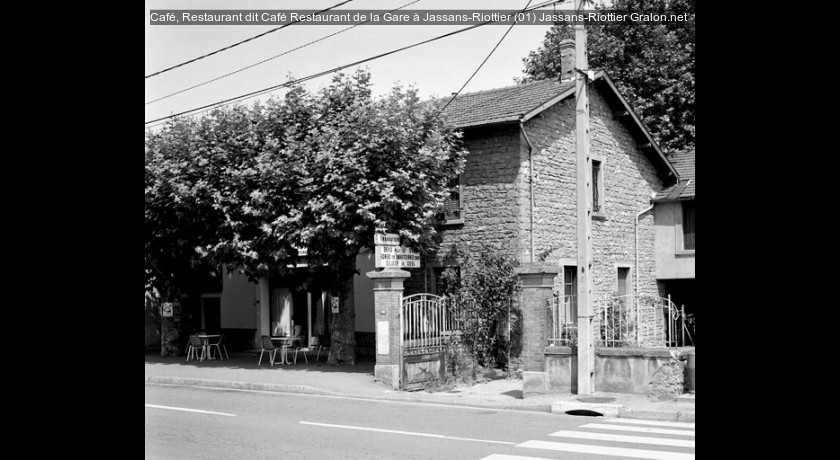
(249, 187)
(652, 65)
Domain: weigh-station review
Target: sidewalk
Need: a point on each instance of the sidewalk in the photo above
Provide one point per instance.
(242, 372)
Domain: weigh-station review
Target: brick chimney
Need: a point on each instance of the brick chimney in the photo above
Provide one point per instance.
(567, 60)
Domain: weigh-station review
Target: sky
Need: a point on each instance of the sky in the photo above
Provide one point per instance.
(436, 69)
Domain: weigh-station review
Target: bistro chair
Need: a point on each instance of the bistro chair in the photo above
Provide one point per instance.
(268, 346)
(314, 342)
(220, 345)
(298, 337)
(300, 347)
(195, 345)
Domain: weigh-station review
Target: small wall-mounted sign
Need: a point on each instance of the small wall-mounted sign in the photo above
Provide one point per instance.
(166, 309)
(382, 333)
(334, 304)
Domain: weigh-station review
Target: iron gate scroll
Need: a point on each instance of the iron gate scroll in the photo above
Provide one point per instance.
(426, 325)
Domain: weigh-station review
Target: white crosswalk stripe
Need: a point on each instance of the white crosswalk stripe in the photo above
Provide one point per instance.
(623, 438)
(639, 429)
(606, 450)
(593, 442)
(632, 421)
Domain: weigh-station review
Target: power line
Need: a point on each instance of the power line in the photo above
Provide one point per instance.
(482, 63)
(244, 41)
(335, 69)
(273, 57)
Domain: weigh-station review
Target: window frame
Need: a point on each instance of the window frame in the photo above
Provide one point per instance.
(679, 237)
(598, 187)
(459, 220)
(629, 281)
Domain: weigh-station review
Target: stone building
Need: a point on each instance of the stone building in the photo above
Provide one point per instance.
(518, 192)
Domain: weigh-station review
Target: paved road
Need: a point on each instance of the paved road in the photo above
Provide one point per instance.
(190, 422)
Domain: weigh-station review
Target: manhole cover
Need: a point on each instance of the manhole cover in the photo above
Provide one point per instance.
(596, 400)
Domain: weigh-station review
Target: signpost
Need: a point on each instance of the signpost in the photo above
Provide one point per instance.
(396, 257)
(389, 254)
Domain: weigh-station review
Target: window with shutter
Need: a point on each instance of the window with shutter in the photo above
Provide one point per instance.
(623, 273)
(452, 212)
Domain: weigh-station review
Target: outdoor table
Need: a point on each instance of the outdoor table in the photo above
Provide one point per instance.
(285, 343)
(205, 339)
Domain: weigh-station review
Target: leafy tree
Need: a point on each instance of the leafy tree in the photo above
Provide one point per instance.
(322, 171)
(652, 65)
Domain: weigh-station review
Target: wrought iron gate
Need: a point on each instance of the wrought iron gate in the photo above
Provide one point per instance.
(426, 328)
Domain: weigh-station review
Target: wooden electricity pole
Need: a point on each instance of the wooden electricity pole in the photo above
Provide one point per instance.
(586, 349)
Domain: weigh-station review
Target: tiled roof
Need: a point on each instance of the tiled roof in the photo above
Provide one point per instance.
(684, 163)
(503, 104)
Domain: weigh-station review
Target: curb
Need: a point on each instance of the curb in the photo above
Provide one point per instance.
(304, 389)
(235, 385)
(661, 415)
(607, 410)
(619, 411)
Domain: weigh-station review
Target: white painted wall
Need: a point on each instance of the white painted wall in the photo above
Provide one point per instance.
(671, 262)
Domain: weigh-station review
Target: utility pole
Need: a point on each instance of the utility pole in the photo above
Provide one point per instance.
(586, 349)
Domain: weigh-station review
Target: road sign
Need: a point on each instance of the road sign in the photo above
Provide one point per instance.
(396, 257)
(386, 239)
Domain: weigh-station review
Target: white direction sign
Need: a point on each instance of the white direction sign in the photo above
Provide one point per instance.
(386, 239)
(396, 257)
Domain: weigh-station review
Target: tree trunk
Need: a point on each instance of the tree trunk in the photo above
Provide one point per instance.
(343, 329)
(170, 326)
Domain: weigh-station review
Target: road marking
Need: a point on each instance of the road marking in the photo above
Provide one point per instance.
(638, 429)
(190, 410)
(511, 457)
(604, 450)
(623, 438)
(526, 410)
(650, 422)
(410, 433)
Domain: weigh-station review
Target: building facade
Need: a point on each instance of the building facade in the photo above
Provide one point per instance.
(674, 216)
(517, 194)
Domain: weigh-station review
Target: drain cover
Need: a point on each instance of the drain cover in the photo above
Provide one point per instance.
(596, 400)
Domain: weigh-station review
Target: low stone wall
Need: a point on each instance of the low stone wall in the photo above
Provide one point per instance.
(628, 370)
(617, 370)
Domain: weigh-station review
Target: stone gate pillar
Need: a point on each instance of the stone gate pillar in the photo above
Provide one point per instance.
(537, 285)
(387, 297)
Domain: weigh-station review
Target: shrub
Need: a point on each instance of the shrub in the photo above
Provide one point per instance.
(483, 294)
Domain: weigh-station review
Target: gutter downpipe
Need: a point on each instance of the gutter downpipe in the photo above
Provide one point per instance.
(531, 180)
(636, 262)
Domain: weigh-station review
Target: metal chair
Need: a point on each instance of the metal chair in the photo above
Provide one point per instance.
(220, 345)
(314, 342)
(196, 344)
(298, 337)
(268, 346)
(188, 342)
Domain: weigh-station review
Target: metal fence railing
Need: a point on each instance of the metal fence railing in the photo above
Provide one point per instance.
(563, 314)
(644, 321)
(641, 321)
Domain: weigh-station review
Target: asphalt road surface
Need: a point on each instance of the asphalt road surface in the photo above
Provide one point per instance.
(203, 423)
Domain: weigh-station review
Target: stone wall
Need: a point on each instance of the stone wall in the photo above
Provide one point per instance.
(493, 192)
